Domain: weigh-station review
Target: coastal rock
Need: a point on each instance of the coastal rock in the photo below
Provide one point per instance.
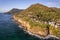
(34, 30)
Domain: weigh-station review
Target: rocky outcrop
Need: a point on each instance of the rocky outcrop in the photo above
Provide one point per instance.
(35, 30)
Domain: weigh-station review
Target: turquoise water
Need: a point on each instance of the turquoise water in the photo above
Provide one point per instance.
(9, 30)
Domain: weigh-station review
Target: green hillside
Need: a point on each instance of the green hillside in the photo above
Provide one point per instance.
(41, 12)
(37, 14)
(14, 10)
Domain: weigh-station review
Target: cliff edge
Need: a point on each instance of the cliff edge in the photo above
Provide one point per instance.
(36, 18)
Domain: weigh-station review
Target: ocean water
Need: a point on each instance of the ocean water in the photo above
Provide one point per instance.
(9, 30)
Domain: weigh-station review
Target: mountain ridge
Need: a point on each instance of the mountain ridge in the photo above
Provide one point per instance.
(14, 10)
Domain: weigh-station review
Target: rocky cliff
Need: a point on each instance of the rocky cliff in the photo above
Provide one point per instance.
(34, 30)
(35, 19)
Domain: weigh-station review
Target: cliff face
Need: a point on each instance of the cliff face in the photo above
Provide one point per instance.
(37, 30)
(34, 30)
(33, 19)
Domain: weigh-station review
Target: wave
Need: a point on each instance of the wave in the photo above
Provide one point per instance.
(32, 34)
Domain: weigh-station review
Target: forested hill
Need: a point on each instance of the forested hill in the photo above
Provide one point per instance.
(42, 12)
(34, 17)
(14, 10)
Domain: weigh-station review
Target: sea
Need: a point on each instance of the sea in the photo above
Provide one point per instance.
(9, 30)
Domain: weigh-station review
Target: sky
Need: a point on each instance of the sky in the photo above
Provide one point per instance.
(6, 5)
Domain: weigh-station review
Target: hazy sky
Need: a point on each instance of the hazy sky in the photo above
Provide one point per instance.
(6, 5)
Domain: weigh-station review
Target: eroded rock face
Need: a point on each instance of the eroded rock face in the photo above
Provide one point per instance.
(35, 30)
(43, 32)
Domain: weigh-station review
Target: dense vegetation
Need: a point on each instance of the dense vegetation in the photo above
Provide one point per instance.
(37, 14)
(41, 12)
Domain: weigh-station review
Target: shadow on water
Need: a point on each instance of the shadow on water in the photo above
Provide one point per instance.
(9, 30)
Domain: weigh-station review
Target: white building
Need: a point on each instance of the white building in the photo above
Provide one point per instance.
(55, 24)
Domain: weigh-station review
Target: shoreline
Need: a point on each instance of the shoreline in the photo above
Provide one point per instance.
(32, 34)
(49, 36)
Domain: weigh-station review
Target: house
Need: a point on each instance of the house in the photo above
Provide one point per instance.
(58, 24)
(52, 23)
(55, 24)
